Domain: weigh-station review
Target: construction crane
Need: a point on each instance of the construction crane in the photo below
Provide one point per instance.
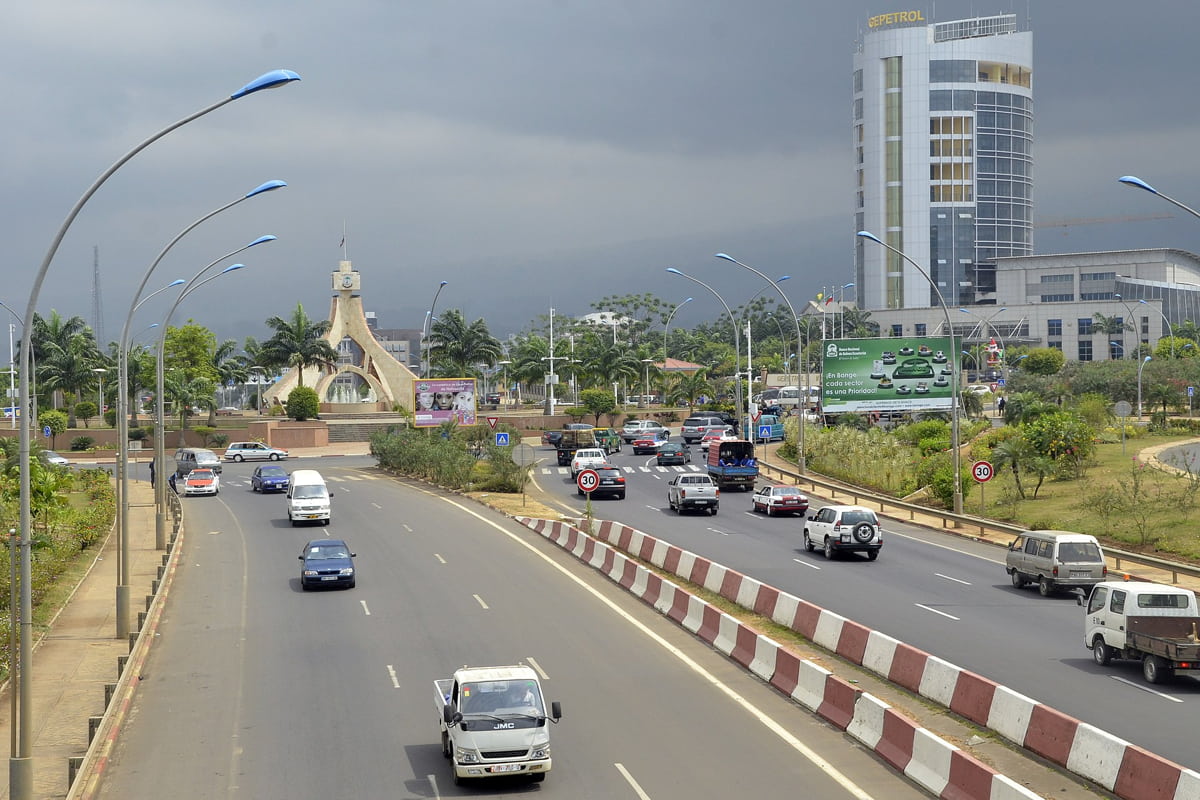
(1070, 223)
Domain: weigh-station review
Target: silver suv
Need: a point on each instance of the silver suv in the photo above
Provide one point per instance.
(844, 529)
(695, 427)
(639, 428)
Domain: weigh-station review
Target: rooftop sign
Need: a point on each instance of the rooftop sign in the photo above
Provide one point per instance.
(896, 18)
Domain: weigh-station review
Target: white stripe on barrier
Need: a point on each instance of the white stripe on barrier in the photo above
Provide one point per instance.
(1010, 714)
(694, 618)
(666, 597)
(1005, 788)
(879, 653)
(1188, 787)
(810, 685)
(1096, 755)
(747, 593)
(658, 556)
(829, 630)
(687, 562)
(930, 764)
(715, 577)
(938, 680)
(785, 610)
(641, 582)
(766, 656)
(726, 638)
(867, 724)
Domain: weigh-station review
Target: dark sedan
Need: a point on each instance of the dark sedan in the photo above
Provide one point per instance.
(612, 482)
(326, 562)
(269, 478)
(673, 453)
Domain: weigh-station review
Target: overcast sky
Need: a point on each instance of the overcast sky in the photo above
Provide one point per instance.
(531, 153)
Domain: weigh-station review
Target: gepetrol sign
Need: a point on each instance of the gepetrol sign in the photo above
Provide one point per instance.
(864, 375)
(895, 18)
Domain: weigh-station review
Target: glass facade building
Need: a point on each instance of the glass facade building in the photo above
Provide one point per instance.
(942, 132)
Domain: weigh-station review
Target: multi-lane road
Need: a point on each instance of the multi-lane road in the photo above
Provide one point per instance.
(943, 594)
(256, 689)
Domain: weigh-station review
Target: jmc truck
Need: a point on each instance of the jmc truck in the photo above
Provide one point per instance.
(1147, 622)
(493, 722)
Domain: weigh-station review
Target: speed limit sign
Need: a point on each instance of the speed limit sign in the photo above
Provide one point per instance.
(587, 480)
(983, 471)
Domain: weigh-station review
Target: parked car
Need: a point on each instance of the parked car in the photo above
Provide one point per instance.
(51, 457)
(327, 562)
(673, 453)
(650, 441)
(269, 478)
(228, 411)
(253, 451)
(772, 500)
(201, 481)
(612, 482)
(844, 529)
(636, 428)
(588, 458)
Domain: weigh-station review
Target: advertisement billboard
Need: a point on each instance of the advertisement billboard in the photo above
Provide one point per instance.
(439, 400)
(865, 375)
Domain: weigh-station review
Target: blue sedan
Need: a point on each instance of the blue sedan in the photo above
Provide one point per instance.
(326, 562)
(269, 478)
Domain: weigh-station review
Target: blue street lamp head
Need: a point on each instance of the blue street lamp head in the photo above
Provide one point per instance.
(271, 80)
(726, 257)
(783, 278)
(1133, 180)
(232, 267)
(152, 325)
(673, 271)
(443, 283)
(1018, 358)
(269, 186)
(869, 235)
(847, 285)
(176, 282)
(261, 239)
(1147, 358)
(1116, 344)
(1118, 296)
(686, 301)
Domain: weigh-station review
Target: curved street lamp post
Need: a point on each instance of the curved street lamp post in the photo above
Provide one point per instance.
(1145, 361)
(737, 342)
(20, 775)
(800, 459)
(428, 331)
(667, 327)
(954, 368)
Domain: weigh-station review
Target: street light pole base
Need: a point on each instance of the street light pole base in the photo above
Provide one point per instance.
(122, 612)
(800, 465)
(20, 776)
(958, 506)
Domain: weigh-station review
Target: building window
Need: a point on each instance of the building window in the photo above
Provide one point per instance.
(1056, 278)
(897, 331)
(1055, 345)
(1054, 327)
(1058, 298)
(919, 329)
(952, 71)
(1085, 326)
(1085, 349)
(1096, 296)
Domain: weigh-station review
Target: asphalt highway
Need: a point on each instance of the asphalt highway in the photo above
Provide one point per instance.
(943, 594)
(256, 689)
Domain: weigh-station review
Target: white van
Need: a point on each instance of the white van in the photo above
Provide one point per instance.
(307, 497)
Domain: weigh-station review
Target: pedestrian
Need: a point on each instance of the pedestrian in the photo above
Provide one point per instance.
(1000, 407)
(171, 480)
(152, 473)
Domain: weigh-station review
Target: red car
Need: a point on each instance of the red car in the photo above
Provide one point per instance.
(779, 500)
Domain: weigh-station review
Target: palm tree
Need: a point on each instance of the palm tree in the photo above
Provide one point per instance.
(456, 347)
(688, 389)
(1014, 453)
(1110, 326)
(185, 394)
(529, 365)
(55, 332)
(298, 342)
(230, 368)
(69, 369)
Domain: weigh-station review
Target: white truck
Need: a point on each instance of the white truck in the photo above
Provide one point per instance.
(1148, 622)
(493, 722)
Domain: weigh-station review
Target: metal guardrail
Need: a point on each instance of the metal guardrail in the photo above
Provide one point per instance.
(890, 505)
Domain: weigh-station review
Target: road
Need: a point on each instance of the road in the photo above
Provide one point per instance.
(256, 689)
(940, 593)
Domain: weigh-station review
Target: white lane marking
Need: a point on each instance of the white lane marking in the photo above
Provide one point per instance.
(935, 611)
(533, 663)
(712, 680)
(653, 508)
(956, 580)
(805, 564)
(958, 550)
(405, 526)
(479, 600)
(344, 488)
(214, 533)
(715, 530)
(438, 556)
(1146, 689)
(377, 506)
(336, 478)
(392, 673)
(636, 788)
(366, 610)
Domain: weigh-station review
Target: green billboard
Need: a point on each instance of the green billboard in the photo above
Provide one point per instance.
(865, 375)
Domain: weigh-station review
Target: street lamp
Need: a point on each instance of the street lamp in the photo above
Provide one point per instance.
(21, 767)
(505, 364)
(646, 385)
(800, 460)
(1131, 180)
(100, 404)
(258, 380)
(1166, 322)
(1145, 361)
(841, 312)
(954, 379)
(737, 343)
(667, 327)
(428, 329)
(1113, 344)
(1131, 322)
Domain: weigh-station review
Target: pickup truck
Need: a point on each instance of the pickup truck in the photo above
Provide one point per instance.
(689, 491)
(608, 439)
(573, 440)
(731, 463)
(1149, 622)
(587, 458)
(493, 722)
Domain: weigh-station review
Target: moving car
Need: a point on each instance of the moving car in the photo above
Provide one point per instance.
(253, 451)
(673, 453)
(51, 457)
(723, 435)
(696, 426)
(588, 458)
(650, 441)
(612, 482)
(201, 481)
(773, 500)
(269, 478)
(308, 498)
(844, 529)
(608, 439)
(637, 428)
(1055, 560)
(190, 458)
(326, 562)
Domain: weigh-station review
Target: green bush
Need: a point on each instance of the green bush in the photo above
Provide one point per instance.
(303, 403)
(85, 410)
(139, 434)
(205, 433)
(219, 439)
(110, 418)
(81, 443)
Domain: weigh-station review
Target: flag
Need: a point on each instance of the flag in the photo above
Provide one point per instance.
(820, 295)
(343, 243)
(829, 300)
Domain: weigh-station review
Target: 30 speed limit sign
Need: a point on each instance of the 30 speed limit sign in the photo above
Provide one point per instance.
(587, 480)
(983, 471)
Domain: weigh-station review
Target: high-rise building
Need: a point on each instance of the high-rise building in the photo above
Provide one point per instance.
(942, 135)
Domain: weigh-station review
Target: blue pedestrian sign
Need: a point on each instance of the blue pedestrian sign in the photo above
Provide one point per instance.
(764, 431)
(1000, 382)
(501, 439)
(46, 431)
(1191, 391)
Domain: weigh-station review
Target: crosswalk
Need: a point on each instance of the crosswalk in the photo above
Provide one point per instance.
(328, 479)
(677, 468)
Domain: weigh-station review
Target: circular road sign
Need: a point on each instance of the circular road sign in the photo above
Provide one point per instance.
(983, 471)
(1122, 408)
(587, 480)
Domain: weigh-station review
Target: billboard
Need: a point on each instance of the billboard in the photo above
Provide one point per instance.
(865, 375)
(439, 400)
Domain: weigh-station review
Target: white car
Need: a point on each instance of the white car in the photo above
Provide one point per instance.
(588, 458)
(253, 451)
(844, 529)
(981, 389)
(643, 428)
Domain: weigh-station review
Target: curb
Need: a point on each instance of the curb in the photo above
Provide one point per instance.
(1128, 771)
